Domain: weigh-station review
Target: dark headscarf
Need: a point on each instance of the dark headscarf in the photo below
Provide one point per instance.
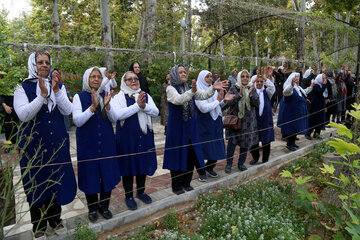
(144, 85)
(188, 108)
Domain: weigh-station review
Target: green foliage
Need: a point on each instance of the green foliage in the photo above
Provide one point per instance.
(83, 232)
(170, 220)
(348, 183)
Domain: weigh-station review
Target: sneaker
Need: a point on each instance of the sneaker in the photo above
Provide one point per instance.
(308, 137)
(144, 198)
(130, 203)
(60, 229)
(212, 173)
(106, 214)
(93, 216)
(242, 168)
(202, 178)
(188, 188)
(291, 148)
(253, 162)
(228, 169)
(178, 192)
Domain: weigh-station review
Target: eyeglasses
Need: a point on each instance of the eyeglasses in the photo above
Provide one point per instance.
(96, 77)
(244, 76)
(132, 79)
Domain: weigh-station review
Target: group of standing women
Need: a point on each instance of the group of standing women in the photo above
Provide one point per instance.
(103, 157)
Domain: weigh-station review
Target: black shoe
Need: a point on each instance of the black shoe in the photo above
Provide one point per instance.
(212, 173)
(188, 188)
(242, 168)
(228, 169)
(144, 198)
(178, 192)
(130, 203)
(308, 137)
(291, 148)
(93, 216)
(296, 146)
(106, 213)
(253, 162)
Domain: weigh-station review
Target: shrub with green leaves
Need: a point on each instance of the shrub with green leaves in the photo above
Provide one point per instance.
(257, 210)
(83, 232)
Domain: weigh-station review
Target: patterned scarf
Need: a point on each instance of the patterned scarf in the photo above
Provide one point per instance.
(188, 108)
(245, 100)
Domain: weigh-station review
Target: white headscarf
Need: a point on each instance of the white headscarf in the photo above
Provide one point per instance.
(307, 73)
(86, 86)
(144, 119)
(298, 89)
(244, 102)
(201, 84)
(34, 77)
(319, 81)
(260, 92)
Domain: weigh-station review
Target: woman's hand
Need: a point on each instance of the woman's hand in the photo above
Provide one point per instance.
(251, 90)
(141, 101)
(56, 76)
(229, 96)
(107, 99)
(220, 95)
(193, 84)
(94, 102)
(220, 85)
(109, 75)
(7, 108)
(44, 91)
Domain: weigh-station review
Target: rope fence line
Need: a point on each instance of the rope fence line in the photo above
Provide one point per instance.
(181, 146)
(180, 175)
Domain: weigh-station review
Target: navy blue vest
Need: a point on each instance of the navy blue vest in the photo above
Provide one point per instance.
(50, 144)
(265, 122)
(130, 140)
(96, 140)
(178, 136)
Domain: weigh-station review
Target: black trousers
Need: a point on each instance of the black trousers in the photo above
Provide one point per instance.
(230, 154)
(254, 150)
(291, 140)
(95, 204)
(180, 179)
(42, 213)
(128, 182)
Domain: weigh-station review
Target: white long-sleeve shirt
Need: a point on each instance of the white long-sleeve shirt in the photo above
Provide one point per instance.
(288, 91)
(111, 84)
(26, 110)
(118, 113)
(180, 99)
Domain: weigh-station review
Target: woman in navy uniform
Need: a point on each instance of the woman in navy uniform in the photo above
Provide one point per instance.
(181, 148)
(95, 140)
(293, 113)
(133, 109)
(49, 181)
(265, 124)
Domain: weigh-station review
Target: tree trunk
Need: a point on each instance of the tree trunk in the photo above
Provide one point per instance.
(140, 35)
(149, 28)
(189, 28)
(316, 56)
(56, 27)
(221, 32)
(346, 36)
(106, 33)
(336, 41)
(301, 39)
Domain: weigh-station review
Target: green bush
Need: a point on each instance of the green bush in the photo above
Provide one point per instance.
(83, 232)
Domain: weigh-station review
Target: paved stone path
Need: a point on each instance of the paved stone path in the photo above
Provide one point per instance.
(158, 187)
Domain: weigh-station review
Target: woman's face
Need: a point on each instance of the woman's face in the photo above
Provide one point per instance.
(182, 74)
(296, 80)
(136, 68)
(43, 65)
(132, 81)
(208, 79)
(95, 79)
(259, 83)
(168, 78)
(244, 78)
(324, 77)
